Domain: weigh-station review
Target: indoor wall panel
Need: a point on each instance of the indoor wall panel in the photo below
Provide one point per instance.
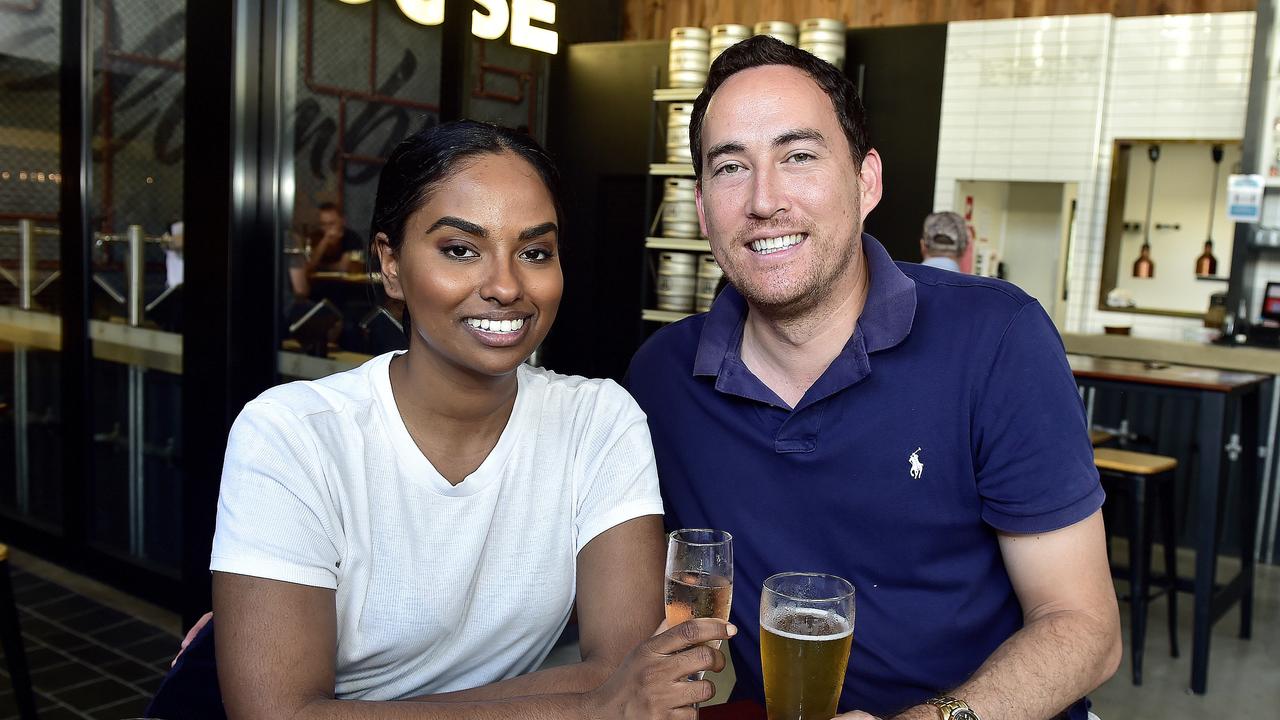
(653, 19)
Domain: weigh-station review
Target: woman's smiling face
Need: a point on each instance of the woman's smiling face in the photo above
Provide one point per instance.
(479, 267)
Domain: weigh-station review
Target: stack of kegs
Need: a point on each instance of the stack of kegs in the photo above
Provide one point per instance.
(678, 116)
(690, 57)
(824, 37)
(784, 31)
(676, 280)
(679, 211)
(723, 36)
(709, 274)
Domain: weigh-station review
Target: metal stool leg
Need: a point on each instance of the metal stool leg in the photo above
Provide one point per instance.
(1137, 571)
(1169, 519)
(15, 655)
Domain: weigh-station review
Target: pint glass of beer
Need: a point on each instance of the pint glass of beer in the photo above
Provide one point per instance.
(806, 632)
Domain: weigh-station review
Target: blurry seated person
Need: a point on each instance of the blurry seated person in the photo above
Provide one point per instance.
(332, 247)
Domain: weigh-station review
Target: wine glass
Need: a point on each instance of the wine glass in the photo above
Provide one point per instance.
(699, 577)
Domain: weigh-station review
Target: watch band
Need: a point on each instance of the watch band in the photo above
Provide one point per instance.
(951, 708)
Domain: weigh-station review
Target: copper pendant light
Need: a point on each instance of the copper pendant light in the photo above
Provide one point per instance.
(1207, 264)
(1144, 266)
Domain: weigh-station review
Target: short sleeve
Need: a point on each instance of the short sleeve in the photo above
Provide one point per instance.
(277, 518)
(618, 478)
(1034, 461)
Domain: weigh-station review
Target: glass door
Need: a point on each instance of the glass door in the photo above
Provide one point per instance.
(136, 281)
(95, 485)
(30, 322)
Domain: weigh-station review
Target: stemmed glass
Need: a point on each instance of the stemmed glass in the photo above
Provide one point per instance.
(699, 577)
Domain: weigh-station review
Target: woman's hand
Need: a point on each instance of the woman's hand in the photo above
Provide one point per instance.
(191, 635)
(652, 681)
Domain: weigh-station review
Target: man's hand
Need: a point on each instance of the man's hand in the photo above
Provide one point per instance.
(652, 682)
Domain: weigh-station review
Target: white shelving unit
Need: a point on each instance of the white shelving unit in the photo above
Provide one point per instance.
(671, 169)
(662, 243)
(666, 169)
(676, 94)
(663, 316)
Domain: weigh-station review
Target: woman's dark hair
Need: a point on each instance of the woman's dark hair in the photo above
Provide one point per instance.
(432, 155)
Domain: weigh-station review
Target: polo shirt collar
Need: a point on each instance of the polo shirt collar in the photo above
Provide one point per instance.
(885, 322)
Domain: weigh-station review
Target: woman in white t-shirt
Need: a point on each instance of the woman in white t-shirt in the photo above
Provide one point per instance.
(421, 526)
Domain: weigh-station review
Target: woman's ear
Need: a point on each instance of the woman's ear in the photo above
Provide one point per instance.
(389, 261)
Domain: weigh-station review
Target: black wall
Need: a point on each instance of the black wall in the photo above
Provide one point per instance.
(901, 70)
(602, 115)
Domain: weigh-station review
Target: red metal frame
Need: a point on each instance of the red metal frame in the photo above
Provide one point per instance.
(110, 56)
(49, 217)
(31, 7)
(343, 94)
(10, 6)
(527, 80)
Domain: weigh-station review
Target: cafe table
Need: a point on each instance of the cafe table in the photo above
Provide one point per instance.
(737, 710)
(1227, 433)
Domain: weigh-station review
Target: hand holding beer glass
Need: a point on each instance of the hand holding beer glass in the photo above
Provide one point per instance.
(806, 633)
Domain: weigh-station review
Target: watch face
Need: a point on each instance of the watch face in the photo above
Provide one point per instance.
(963, 715)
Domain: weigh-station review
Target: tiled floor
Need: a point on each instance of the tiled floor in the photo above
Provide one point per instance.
(87, 660)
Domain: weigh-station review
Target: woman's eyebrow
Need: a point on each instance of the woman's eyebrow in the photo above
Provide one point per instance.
(538, 231)
(465, 226)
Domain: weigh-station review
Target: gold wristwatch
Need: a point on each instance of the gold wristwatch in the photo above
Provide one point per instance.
(950, 708)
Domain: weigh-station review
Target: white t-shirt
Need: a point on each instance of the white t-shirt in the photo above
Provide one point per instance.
(439, 587)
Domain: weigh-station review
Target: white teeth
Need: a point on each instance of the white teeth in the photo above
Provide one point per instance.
(772, 245)
(496, 326)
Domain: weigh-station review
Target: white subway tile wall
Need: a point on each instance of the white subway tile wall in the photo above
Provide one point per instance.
(1043, 99)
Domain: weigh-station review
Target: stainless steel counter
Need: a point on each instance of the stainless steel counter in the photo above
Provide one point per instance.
(1244, 359)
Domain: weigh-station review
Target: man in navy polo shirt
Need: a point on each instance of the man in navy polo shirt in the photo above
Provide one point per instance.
(915, 431)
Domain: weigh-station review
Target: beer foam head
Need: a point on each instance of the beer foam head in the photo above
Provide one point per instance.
(801, 623)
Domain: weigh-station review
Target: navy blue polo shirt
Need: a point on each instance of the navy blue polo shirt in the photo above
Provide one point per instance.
(951, 413)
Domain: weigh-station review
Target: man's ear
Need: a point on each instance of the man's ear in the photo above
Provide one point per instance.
(389, 261)
(697, 200)
(870, 183)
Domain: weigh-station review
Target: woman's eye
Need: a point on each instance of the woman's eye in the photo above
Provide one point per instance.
(536, 254)
(459, 252)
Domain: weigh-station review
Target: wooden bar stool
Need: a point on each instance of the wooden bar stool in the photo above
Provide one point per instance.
(1100, 437)
(11, 639)
(1130, 473)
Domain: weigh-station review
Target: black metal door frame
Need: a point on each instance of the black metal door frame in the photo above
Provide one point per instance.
(230, 299)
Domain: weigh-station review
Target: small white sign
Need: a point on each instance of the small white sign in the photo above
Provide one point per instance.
(1244, 198)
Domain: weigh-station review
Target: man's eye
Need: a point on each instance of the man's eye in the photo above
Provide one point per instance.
(801, 157)
(729, 168)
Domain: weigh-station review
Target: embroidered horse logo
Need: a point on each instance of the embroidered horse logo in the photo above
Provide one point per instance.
(917, 467)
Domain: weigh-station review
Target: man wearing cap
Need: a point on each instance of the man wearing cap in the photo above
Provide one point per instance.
(945, 238)
(915, 431)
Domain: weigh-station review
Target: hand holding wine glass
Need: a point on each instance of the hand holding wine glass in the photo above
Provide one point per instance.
(699, 575)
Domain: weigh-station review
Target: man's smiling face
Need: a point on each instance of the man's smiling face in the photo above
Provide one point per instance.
(780, 196)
